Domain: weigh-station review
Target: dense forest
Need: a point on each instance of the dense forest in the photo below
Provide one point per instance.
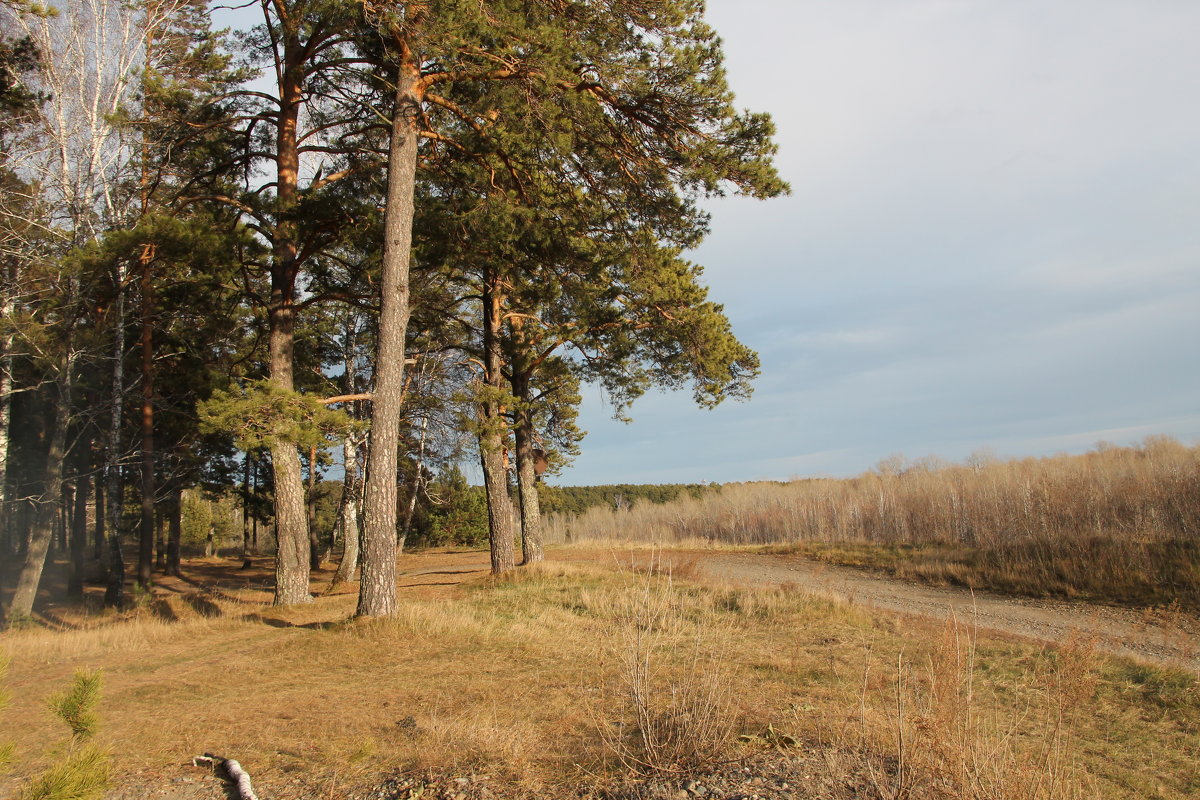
(291, 275)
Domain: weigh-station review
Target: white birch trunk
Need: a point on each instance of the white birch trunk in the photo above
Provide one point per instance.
(348, 514)
(6, 387)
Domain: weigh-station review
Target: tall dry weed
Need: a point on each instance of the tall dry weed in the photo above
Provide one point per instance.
(668, 703)
(931, 731)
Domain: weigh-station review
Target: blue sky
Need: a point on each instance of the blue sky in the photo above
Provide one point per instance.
(993, 240)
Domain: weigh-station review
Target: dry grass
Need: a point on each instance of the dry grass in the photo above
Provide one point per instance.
(671, 722)
(515, 678)
(1119, 524)
(939, 731)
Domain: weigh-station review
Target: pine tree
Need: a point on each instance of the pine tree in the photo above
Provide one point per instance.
(302, 212)
(632, 84)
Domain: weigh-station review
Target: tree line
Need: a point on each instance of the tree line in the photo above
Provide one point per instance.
(402, 230)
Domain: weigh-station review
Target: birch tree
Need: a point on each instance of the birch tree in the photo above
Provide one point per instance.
(78, 160)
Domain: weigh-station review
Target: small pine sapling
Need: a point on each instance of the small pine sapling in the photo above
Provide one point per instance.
(81, 772)
(77, 705)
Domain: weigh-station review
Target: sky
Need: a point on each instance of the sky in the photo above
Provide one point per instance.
(992, 241)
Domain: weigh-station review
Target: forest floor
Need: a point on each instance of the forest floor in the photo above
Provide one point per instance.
(796, 680)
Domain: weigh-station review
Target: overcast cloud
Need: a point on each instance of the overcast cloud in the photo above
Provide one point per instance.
(993, 240)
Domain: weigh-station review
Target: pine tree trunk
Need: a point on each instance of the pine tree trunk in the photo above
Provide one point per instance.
(418, 481)
(531, 512)
(500, 517)
(310, 507)
(114, 592)
(291, 534)
(492, 432)
(246, 494)
(291, 519)
(352, 479)
(64, 521)
(145, 572)
(160, 538)
(25, 510)
(98, 553)
(377, 588)
(21, 606)
(291, 523)
(79, 526)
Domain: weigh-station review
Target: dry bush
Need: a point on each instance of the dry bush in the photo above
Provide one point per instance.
(1116, 523)
(669, 690)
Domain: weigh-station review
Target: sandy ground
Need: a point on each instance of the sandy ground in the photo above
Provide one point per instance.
(1158, 636)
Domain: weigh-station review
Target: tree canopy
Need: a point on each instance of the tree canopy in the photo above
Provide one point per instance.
(389, 235)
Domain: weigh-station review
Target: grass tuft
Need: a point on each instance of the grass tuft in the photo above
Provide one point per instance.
(670, 681)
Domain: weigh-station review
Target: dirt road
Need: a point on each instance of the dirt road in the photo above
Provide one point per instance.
(1159, 637)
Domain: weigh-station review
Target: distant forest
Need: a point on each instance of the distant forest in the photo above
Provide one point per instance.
(448, 512)
(577, 499)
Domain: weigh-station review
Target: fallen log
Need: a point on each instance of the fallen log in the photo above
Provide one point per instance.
(233, 769)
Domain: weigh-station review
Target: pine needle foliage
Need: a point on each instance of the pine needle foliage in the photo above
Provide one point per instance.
(81, 771)
(77, 705)
(261, 414)
(82, 775)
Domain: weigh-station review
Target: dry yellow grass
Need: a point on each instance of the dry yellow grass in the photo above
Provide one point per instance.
(1119, 524)
(518, 679)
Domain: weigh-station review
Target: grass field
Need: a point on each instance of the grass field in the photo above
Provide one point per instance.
(568, 677)
(1119, 524)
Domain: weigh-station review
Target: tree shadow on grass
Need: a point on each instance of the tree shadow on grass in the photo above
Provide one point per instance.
(283, 623)
(203, 606)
